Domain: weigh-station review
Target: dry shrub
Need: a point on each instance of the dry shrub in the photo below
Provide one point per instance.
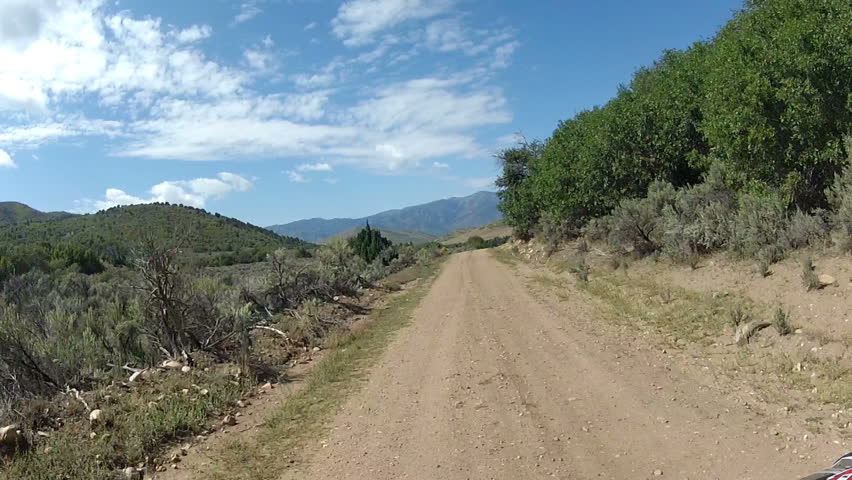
(781, 322)
(637, 225)
(810, 279)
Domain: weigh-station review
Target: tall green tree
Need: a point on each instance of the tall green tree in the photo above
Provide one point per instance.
(369, 243)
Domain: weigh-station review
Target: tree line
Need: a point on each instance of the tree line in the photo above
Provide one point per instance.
(768, 100)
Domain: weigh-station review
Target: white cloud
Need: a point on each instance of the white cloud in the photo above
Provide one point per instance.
(331, 181)
(6, 160)
(315, 167)
(34, 135)
(175, 102)
(431, 104)
(310, 26)
(257, 59)
(194, 193)
(313, 81)
(397, 127)
(358, 21)
(194, 33)
(79, 49)
(503, 54)
(296, 177)
(440, 165)
(21, 21)
(480, 182)
(248, 10)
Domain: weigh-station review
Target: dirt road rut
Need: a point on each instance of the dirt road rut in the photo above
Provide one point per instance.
(491, 383)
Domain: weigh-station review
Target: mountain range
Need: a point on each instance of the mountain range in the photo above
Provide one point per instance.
(434, 218)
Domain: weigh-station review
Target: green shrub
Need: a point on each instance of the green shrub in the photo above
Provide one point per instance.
(809, 277)
(839, 197)
(580, 269)
(781, 322)
(369, 244)
(701, 218)
(554, 232)
(759, 226)
(804, 230)
(738, 315)
(636, 224)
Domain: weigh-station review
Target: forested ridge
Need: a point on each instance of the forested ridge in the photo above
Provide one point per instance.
(111, 236)
(766, 104)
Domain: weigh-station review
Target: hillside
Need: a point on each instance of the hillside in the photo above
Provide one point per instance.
(436, 218)
(486, 232)
(416, 238)
(113, 233)
(15, 212)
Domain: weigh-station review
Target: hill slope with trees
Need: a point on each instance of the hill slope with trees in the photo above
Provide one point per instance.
(111, 235)
(15, 212)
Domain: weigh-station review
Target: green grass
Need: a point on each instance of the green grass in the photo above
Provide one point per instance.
(305, 415)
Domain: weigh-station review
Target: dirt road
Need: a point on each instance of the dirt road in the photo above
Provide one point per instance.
(491, 383)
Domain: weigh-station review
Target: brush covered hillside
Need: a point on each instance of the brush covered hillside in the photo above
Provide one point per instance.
(734, 144)
(396, 237)
(435, 218)
(15, 212)
(111, 235)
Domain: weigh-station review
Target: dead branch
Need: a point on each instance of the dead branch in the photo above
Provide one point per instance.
(273, 330)
(76, 394)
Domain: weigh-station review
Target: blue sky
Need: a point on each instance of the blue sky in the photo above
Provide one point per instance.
(276, 110)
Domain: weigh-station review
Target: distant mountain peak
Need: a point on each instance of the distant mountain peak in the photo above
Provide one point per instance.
(437, 218)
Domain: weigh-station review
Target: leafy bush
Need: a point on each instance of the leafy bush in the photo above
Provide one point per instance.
(840, 198)
(701, 217)
(554, 232)
(759, 226)
(636, 224)
(804, 230)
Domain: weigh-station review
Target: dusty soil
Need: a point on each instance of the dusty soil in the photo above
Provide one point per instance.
(493, 382)
(825, 312)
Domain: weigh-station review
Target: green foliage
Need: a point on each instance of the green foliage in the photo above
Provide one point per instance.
(779, 100)
(806, 230)
(515, 189)
(14, 212)
(369, 244)
(759, 226)
(766, 101)
(637, 223)
(840, 199)
(74, 255)
(112, 235)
